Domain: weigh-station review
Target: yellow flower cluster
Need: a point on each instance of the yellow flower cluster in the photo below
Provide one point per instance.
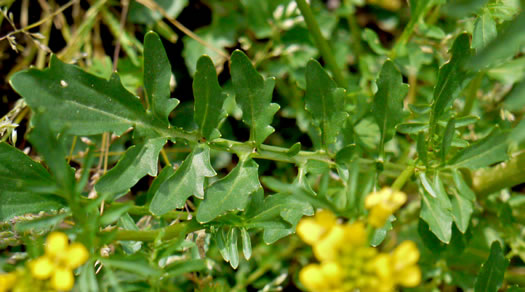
(382, 204)
(59, 261)
(347, 263)
(7, 281)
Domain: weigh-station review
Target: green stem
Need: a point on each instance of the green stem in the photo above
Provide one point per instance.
(504, 175)
(268, 152)
(355, 33)
(403, 178)
(321, 42)
(169, 232)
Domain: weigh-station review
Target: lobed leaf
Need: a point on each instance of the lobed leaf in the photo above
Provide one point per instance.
(138, 161)
(253, 94)
(452, 77)
(188, 180)
(436, 211)
(484, 31)
(80, 102)
(325, 102)
(209, 99)
(230, 193)
(492, 272)
(489, 150)
(157, 76)
(387, 107)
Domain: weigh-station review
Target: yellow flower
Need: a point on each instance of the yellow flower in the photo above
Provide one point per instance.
(355, 233)
(328, 246)
(382, 204)
(399, 267)
(312, 277)
(62, 279)
(312, 229)
(7, 281)
(58, 262)
(405, 258)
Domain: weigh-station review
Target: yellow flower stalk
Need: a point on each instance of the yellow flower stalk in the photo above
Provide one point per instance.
(59, 261)
(382, 204)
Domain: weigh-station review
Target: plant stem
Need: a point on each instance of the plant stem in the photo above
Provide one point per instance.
(403, 178)
(321, 42)
(169, 232)
(504, 175)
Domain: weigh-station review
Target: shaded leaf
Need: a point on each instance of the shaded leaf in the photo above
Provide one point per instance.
(325, 102)
(505, 45)
(452, 77)
(387, 108)
(209, 99)
(157, 75)
(253, 94)
(230, 193)
(188, 180)
(80, 102)
(489, 150)
(492, 272)
(435, 211)
(484, 31)
(448, 136)
(138, 161)
(19, 173)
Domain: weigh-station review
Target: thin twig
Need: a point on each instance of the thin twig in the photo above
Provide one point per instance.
(40, 22)
(123, 15)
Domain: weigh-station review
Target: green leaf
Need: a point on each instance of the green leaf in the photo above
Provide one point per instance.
(231, 192)
(452, 77)
(505, 45)
(209, 99)
(422, 150)
(80, 102)
(379, 234)
(113, 213)
(157, 75)
(411, 128)
(450, 130)
(188, 180)
(180, 267)
(387, 108)
(490, 277)
(325, 102)
(220, 239)
(253, 94)
(484, 31)
(462, 209)
(17, 204)
(19, 173)
(270, 214)
(133, 264)
(231, 243)
(436, 211)
(373, 42)
(515, 101)
(246, 244)
(487, 151)
(141, 14)
(139, 160)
